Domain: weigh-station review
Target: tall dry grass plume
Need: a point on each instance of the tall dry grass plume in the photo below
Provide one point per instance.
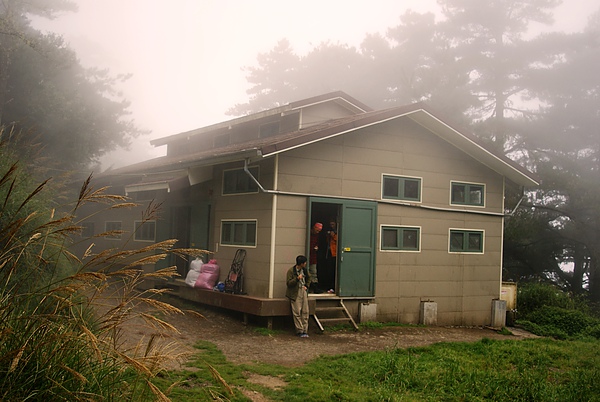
(62, 315)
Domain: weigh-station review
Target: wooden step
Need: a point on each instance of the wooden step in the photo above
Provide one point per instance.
(341, 319)
(328, 309)
(327, 314)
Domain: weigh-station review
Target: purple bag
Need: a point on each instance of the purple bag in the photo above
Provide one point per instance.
(209, 276)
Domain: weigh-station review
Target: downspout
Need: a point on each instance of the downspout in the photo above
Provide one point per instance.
(261, 188)
(273, 231)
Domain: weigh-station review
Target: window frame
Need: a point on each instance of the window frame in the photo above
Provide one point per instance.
(399, 238)
(137, 225)
(270, 129)
(221, 140)
(144, 195)
(86, 228)
(468, 233)
(116, 236)
(467, 192)
(401, 186)
(255, 170)
(232, 242)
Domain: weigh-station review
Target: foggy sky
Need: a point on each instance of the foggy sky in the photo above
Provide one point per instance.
(186, 56)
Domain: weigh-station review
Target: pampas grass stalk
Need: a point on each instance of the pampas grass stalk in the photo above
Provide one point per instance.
(62, 316)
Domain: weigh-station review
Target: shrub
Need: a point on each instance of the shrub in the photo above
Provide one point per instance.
(548, 311)
(544, 330)
(533, 296)
(593, 331)
(571, 322)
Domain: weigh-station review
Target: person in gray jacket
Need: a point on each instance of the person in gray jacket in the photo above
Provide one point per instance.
(298, 280)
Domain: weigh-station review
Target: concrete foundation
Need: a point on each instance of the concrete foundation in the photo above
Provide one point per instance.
(498, 313)
(367, 312)
(428, 314)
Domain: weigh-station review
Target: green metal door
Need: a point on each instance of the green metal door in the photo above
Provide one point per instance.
(357, 240)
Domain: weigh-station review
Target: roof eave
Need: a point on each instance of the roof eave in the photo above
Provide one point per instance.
(171, 165)
(420, 115)
(468, 144)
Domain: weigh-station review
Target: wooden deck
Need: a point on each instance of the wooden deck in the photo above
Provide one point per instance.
(243, 303)
(257, 306)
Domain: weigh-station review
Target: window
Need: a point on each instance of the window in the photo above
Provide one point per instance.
(236, 181)
(238, 233)
(401, 188)
(400, 238)
(115, 228)
(466, 241)
(145, 195)
(87, 229)
(467, 194)
(221, 140)
(269, 130)
(144, 231)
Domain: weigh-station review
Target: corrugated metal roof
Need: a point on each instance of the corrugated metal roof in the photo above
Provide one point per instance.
(338, 97)
(266, 147)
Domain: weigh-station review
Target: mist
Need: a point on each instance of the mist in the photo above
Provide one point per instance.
(187, 60)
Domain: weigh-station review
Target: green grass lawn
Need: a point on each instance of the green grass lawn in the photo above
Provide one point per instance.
(525, 370)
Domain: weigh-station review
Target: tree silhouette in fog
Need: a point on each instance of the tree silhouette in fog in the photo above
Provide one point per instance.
(532, 96)
(73, 112)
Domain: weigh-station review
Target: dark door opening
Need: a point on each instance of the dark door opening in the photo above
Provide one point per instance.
(351, 272)
(180, 230)
(328, 214)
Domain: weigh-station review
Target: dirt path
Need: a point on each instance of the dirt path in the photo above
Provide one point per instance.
(245, 344)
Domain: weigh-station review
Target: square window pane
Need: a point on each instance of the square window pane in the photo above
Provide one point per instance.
(148, 231)
(145, 231)
(269, 129)
(241, 182)
(237, 181)
(252, 186)
(238, 233)
(226, 233)
(113, 226)
(228, 182)
(476, 195)
(390, 187)
(389, 238)
(251, 234)
(87, 229)
(411, 189)
(410, 239)
(456, 241)
(458, 193)
(475, 242)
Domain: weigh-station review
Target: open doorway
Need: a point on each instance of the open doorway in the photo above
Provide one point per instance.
(180, 230)
(353, 274)
(327, 254)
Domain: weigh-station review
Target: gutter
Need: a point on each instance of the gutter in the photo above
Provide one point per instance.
(379, 201)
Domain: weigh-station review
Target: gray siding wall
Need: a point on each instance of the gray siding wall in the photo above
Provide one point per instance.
(291, 237)
(99, 214)
(352, 165)
(257, 206)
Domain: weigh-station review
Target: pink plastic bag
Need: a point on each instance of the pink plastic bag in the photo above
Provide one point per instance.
(209, 276)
